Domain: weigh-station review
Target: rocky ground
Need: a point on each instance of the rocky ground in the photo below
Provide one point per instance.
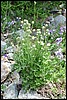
(12, 82)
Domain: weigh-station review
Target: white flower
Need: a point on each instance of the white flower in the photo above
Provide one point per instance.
(41, 43)
(48, 33)
(22, 22)
(61, 6)
(48, 44)
(33, 56)
(60, 49)
(54, 30)
(44, 33)
(19, 17)
(29, 25)
(42, 48)
(51, 37)
(18, 38)
(23, 44)
(43, 27)
(47, 22)
(28, 31)
(33, 37)
(35, 2)
(33, 30)
(32, 22)
(38, 30)
(42, 38)
(33, 46)
(25, 20)
(29, 35)
(43, 56)
(46, 25)
(21, 25)
(38, 42)
(47, 30)
(22, 39)
(26, 28)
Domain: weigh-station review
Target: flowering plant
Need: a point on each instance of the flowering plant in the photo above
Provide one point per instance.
(34, 61)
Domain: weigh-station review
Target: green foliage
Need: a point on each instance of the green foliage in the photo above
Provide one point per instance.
(34, 63)
(27, 10)
(33, 57)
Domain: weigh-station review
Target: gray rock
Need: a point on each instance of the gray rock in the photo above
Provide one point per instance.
(54, 22)
(3, 46)
(60, 19)
(10, 55)
(9, 49)
(11, 92)
(5, 70)
(52, 25)
(20, 32)
(29, 95)
(15, 77)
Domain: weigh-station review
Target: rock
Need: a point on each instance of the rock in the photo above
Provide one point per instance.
(15, 77)
(4, 58)
(5, 70)
(3, 46)
(11, 92)
(52, 25)
(54, 10)
(29, 95)
(60, 19)
(10, 55)
(21, 33)
(9, 49)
